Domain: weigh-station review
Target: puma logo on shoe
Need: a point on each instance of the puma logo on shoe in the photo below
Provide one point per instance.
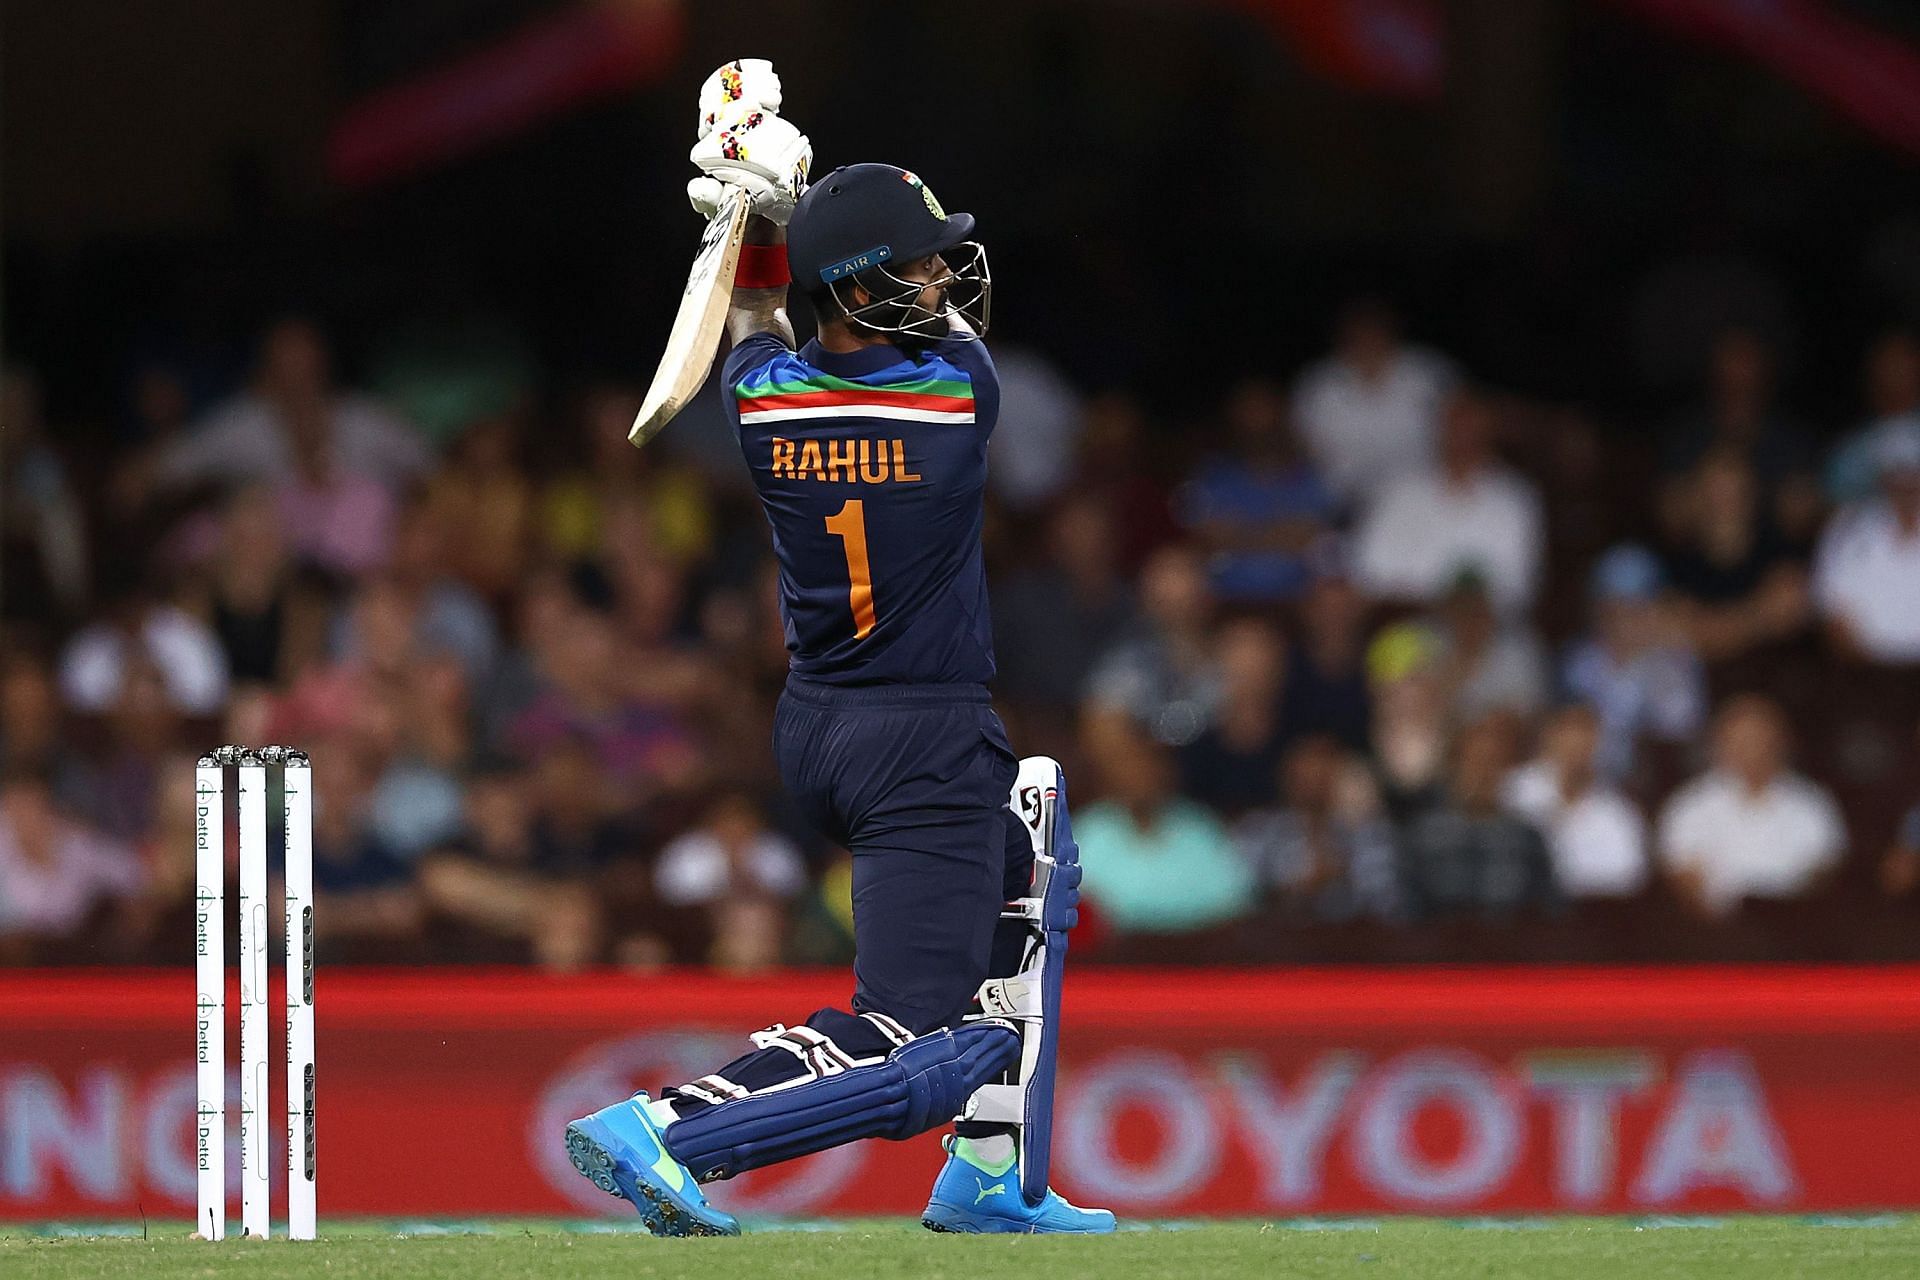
(997, 1189)
(663, 1164)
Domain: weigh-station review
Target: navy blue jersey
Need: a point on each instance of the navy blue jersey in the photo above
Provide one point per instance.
(872, 468)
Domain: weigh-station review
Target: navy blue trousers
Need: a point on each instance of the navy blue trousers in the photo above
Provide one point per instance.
(913, 781)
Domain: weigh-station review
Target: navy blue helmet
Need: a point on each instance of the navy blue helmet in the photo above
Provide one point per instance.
(859, 225)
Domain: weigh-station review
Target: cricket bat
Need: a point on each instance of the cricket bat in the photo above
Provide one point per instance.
(697, 325)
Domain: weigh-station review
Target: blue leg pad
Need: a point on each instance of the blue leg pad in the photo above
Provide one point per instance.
(1060, 911)
(1031, 994)
(922, 1084)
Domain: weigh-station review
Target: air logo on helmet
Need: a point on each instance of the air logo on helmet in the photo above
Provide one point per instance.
(933, 205)
(858, 262)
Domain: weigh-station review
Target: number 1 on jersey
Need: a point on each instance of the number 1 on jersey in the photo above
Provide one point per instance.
(850, 526)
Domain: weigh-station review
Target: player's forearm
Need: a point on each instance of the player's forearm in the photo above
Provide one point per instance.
(754, 311)
(758, 311)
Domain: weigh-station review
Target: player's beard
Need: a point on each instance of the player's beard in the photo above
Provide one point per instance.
(922, 326)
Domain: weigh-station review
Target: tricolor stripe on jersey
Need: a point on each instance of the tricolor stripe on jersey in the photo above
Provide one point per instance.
(784, 390)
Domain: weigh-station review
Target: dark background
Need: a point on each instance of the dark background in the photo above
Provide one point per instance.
(1167, 192)
(1571, 203)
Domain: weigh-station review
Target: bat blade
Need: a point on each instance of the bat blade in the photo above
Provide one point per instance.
(697, 325)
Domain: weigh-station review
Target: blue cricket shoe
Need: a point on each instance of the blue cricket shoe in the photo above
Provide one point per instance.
(976, 1196)
(619, 1149)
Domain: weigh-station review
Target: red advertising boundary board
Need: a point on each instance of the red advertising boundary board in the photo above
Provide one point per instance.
(1265, 1092)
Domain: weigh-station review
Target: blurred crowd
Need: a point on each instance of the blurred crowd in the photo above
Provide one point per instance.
(1369, 662)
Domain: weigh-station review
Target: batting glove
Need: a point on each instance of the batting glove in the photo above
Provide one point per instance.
(745, 82)
(756, 151)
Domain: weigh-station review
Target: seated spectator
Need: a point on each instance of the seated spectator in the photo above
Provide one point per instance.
(410, 734)
(1466, 855)
(748, 935)
(153, 927)
(271, 620)
(582, 688)
(482, 501)
(1749, 827)
(1466, 511)
(646, 597)
(544, 611)
(1157, 863)
(1369, 411)
(497, 819)
(731, 862)
(533, 845)
(441, 614)
(1742, 416)
(158, 409)
(644, 588)
(141, 625)
(743, 647)
(54, 872)
(1486, 664)
(1258, 508)
(118, 791)
(1635, 669)
(1588, 475)
(35, 736)
(257, 436)
(1163, 675)
(362, 892)
(1892, 393)
(732, 853)
(1230, 767)
(1596, 836)
(337, 520)
(403, 710)
(1030, 458)
(1867, 570)
(1118, 465)
(375, 636)
(581, 820)
(1737, 584)
(1324, 853)
(675, 497)
(1409, 735)
(1326, 685)
(1060, 607)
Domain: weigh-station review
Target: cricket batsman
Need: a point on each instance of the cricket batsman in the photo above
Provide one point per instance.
(868, 447)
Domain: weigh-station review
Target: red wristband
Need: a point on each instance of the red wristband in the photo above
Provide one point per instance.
(762, 266)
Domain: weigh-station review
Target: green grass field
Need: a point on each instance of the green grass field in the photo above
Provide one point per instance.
(1548, 1249)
